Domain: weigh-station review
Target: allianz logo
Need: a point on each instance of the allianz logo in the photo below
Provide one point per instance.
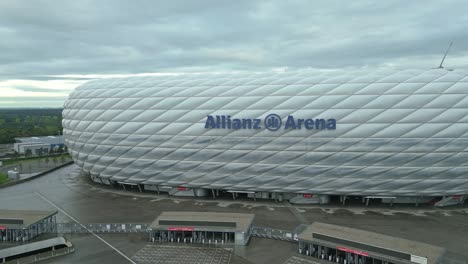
(272, 122)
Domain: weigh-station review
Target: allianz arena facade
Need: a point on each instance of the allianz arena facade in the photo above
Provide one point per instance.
(389, 134)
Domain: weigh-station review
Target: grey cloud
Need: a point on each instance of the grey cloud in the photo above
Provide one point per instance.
(104, 37)
(38, 89)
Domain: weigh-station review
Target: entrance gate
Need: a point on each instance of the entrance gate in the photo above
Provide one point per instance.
(189, 235)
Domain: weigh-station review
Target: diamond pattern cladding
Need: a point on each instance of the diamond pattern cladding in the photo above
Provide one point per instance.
(398, 133)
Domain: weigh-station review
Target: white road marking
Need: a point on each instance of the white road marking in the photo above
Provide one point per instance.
(94, 234)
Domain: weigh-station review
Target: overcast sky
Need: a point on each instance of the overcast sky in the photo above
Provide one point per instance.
(49, 47)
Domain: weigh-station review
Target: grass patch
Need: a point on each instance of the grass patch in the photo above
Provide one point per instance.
(3, 178)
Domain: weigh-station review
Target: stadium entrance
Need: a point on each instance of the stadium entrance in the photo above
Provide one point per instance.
(202, 228)
(351, 246)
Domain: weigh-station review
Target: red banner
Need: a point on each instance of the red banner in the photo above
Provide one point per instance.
(181, 188)
(3, 227)
(357, 252)
(307, 195)
(181, 229)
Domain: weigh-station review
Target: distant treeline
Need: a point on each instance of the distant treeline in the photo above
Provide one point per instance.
(29, 122)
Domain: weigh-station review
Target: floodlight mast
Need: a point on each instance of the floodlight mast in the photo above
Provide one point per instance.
(445, 55)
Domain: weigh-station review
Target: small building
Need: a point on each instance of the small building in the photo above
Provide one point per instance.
(24, 225)
(36, 251)
(202, 228)
(38, 144)
(352, 246)
(36, 148)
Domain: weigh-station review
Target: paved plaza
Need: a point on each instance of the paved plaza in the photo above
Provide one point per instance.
(296, 260)
(163, 254)
(90, 203)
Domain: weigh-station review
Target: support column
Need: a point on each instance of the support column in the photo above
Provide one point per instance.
(213, 193)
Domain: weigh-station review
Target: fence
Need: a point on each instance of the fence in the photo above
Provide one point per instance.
(255, 231)
(65, 228)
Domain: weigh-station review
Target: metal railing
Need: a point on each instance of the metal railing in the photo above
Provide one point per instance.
(255, 231)
(65, 228)
(273, 233)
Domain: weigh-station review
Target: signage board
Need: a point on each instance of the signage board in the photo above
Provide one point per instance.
(172, 228)
(272, 122)
(357, 252)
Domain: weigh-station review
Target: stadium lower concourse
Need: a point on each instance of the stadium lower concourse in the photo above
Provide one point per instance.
(301, 136)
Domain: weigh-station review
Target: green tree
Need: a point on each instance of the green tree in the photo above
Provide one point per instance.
(28, 122)
(40, 152)
(28, 153)
(55, 160)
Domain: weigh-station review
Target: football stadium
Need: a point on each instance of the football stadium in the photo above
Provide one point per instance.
(396, 136)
